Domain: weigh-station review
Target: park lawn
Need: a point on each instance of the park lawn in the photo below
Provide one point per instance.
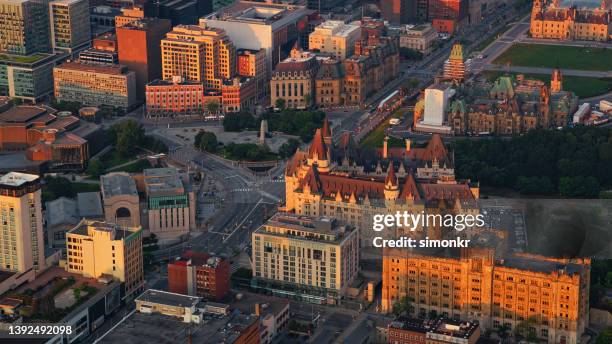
(376, 137)
(550, 56)
(584, 87)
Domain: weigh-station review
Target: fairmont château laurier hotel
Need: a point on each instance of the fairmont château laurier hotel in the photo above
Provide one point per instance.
(347, 185)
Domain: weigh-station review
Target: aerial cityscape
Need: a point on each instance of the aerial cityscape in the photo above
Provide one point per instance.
(306, 171)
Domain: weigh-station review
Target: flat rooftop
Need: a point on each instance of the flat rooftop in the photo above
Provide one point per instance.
(256, 12)
(166, 298)
(17, 179)
(118, 183)
(540, 265)
(308, 228)
(163, 182)
(86, 226)
(90, 204)
(142, 328)
(107, 68)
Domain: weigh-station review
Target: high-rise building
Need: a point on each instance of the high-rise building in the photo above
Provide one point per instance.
(313, 257)
(447, 15)
(27, 77)
(22, 242)
(399, 11)
(199, 274)
(69, 25)
(138, 46)
(550, 295)
(24, 26)
(335, 37)
(198, 54)
(454, 67)
(96, 249)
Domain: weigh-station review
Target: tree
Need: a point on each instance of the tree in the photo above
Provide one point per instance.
(280, 103)
(206, 141)
(409, 85)
(129, 134)
(240, 121)
(307, 99)
(411, 54)
(212, 106)
(96, 168)
(288, 148)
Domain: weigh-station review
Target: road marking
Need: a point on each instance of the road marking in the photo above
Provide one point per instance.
(243, 220)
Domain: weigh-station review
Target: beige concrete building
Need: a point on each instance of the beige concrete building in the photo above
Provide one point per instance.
(314, 258)
(120, 199)
(293, 80)
(95, 84)
(22, 242)
(198, 54)
(98, 249)
(420, 38)
(549, 295)
(335, 37)
(171, 204)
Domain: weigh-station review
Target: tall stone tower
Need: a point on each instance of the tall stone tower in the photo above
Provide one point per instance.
(556, 81)
(454, 67)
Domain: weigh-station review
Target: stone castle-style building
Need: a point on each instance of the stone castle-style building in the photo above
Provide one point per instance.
(551, 21)
(342, 181)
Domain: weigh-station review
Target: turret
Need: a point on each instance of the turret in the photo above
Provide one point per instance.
(391, 184)
(556, 80)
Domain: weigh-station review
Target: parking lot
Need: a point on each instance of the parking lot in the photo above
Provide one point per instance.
(510, 220)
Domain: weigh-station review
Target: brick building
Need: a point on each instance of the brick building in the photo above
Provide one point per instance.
(176, 97)
(199, 274)
(447, 15)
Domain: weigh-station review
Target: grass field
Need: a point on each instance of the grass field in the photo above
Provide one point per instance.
(583, 87)
(375, 138)
(550, 56)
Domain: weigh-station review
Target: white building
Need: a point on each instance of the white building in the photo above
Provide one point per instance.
(437, 100)
(257, 25)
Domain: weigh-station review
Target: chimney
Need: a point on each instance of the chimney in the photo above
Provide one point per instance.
(258, 309)
(408, 142)
(385, 147)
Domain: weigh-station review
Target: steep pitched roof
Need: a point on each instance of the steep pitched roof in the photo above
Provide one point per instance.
(318, 147)
(391, 177)
(326, 131)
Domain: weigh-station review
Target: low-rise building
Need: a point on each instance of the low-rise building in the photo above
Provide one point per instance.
(170, 202)
(199, 274)
(311, 258)
(95, 84)
(97, 248)
(293, 80)
(238, 94)
(175, 97)
(329, 84)
(62, 214)
(421, 38)
(120, 199)
(169, 317)
(440, 330)
(335, 37)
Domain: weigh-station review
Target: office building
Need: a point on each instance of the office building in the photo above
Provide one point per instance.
(259, 25)
(28, 78)
(95, 84)
(552, 294)
(439, 330)
(293, 80)
(549, 20)
(129, 15)
(335, 38)
(313, 258)
(180, 12)
(329, 84)
(24, 26)
(171, 204)
(96, 249)
(447, 15)
(22, 242)
(174, 98)
(252, 64)
(138, 46)
(198, 54)
(420, 38)
(103, 50)
(399, 11)
(120, 199)
(238, 94)
(454, 67)
(200, 274)
(62, 214)
(69, 25)
(323, 5)
(437, 102)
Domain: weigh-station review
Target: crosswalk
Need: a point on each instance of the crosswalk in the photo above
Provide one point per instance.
(242, 190)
